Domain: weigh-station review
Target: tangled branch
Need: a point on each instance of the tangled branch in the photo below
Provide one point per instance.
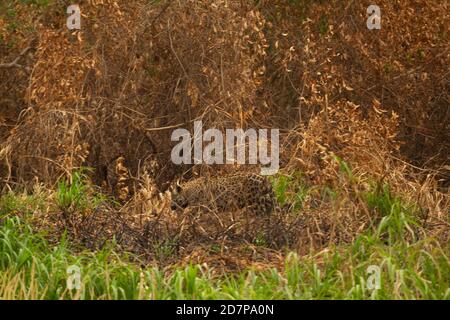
(15, 62)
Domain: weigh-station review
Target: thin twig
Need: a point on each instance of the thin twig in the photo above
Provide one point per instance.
(163, 10)
(15, 62)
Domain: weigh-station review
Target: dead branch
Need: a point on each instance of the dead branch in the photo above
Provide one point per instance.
(15, 62)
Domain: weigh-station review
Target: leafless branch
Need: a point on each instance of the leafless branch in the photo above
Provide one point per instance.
(15, 62)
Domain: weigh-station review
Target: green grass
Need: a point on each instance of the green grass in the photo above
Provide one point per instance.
(290, 190)
(78, 194)
(398, 218)
(12, 203)
(30, 268)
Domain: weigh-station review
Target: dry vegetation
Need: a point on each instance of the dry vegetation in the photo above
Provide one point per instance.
(364, 117)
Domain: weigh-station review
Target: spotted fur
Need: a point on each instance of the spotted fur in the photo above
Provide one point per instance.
(236, 191)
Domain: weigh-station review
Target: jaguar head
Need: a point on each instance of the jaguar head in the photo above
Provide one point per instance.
(178, 199)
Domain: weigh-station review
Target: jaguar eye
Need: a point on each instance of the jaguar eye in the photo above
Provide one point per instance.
(178, 203)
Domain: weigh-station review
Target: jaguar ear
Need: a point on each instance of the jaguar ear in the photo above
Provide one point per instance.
(178, 186)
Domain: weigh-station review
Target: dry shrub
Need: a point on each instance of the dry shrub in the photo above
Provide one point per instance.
(349, 151)
(132, 76)
(344, 130)
(46, 145)
(208, 55)
(403, 67)
(135, 71)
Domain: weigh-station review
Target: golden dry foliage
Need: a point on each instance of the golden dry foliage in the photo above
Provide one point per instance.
(403, 67)
(344, 130)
